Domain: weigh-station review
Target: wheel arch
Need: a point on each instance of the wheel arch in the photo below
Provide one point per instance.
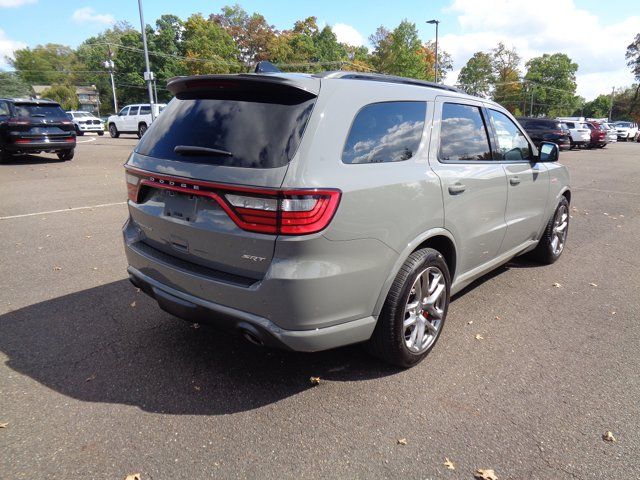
(439, 239)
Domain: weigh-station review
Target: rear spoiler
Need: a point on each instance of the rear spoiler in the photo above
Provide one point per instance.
(270, 88)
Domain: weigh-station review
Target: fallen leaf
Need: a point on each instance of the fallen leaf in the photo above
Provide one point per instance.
(56, 269)
(92, 377)
(95, 268)
(40, 248)
(87, 236)
(485, 474)
(557, 285)
(469, 322)
(314, 380)
(402, 441)
(3, 425)
(613, 313)
(593, 284)
(197, 388)
(608, 437)
(621, 216)
(133, 304)
(606, 213)
(479, 337)
(497, 317)
(133, 476)
(48, 235)
(449, 464)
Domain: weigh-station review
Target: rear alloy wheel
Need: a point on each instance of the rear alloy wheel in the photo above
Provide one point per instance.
(113, 131)
(66, 154)
(142, 128)
(553, 239)
(415, 310)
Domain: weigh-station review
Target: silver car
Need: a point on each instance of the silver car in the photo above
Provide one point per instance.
(313, 211)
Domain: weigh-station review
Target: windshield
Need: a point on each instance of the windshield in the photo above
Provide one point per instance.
(252, 134)
(49, 110)
(623, 124)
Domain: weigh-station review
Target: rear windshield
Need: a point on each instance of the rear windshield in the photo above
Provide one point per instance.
(255, 134)
(39, 110)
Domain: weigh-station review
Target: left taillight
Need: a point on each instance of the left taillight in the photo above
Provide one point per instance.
(133, 184)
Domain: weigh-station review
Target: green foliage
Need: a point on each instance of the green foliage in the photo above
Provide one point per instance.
(46, 64)
(597, 108)
(63, 94)
(12, 86)
(251, 33)
(507, 87)
(553, 80)
(633, 56)
(476, 77)
(208, 47)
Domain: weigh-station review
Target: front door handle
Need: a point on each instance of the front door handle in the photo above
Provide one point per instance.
(456, 188)
(514, 181)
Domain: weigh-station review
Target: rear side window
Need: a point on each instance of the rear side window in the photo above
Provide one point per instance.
(145, 110)
(40, 110)
(385, 132)
(512, 144)
(244, 131)
(4, 109)
(463, 134)
(133, 111)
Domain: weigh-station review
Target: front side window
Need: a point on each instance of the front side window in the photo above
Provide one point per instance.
(124, 111)
(133, 111)
(463, 134)
(4, 109)
(512, 144)
(385, 132)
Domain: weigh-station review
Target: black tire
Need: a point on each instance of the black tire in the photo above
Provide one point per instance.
(388, 341)
(66, 155)
(142, 128)
(4, 156)
(544, 252)
(78, 132)
(113, 131)
(100, 133)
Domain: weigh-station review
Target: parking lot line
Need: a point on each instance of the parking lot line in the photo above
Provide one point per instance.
(87, 140)
(62, 210)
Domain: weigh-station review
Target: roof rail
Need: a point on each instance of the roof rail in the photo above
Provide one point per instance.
(379, 77)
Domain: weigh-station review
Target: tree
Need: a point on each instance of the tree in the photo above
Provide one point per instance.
(399, 52)
(45, 64)
(381, 56)
(476, 76)
(597, 108)
(208, 47)
(65, 95)
(553, 80)
(633, 56)
(12, 86)
(507, 88)
(445, 63)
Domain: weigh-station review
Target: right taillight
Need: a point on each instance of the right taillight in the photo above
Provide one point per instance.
(261, 210)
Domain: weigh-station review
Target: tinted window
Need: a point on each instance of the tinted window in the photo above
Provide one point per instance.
(4, 108)
(512, 144)
(257, 134)
(463, 135)
(145, 110)
(571, 125)
(124, 111)
(385, 132)
(40, 110)
(133, 111)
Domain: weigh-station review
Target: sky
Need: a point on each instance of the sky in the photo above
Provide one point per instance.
(593, 33)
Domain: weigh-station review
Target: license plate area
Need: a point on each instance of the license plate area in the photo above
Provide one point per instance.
(180, 206)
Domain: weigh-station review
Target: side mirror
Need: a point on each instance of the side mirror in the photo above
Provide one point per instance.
(549, 152)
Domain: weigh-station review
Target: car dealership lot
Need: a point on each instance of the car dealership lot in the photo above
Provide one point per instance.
(97, 382)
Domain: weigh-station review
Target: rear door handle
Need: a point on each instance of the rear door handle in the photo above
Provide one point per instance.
(456, 188)
(514, 181)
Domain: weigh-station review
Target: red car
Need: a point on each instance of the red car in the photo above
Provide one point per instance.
(598, 135)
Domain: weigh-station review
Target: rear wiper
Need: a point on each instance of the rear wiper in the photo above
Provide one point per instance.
(193, 150)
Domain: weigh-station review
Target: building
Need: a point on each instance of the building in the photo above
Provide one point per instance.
(88, 97)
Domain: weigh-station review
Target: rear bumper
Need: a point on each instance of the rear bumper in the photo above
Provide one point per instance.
(262, 330)
(317, 294)
(39, 146)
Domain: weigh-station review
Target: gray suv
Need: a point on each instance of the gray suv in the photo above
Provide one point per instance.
(313, 211)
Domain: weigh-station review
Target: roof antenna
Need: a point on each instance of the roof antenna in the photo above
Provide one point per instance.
(266, 67)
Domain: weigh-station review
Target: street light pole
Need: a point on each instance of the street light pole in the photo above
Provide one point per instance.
(436, 23)
(148, 74)
(613, 92)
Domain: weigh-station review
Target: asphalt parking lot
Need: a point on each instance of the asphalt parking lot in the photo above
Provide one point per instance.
(96, 382)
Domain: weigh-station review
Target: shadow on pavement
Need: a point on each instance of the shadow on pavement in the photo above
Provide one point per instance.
(31, 159)
(94, 346)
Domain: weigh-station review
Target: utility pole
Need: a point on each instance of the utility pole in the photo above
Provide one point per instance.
(531, 106)
(148, 74)
(613, 92)
(109, 66)
(436, 23)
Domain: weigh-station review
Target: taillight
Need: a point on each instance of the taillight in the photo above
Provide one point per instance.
(261, 210)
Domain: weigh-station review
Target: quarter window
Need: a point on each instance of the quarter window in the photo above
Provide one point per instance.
(463, 134)
(512, 144)
(385, 132)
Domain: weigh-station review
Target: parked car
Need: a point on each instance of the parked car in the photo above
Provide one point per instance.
(612, 133)
(579, 133)
(250, 211)
(546, 130)
(627, 130)
(86, 122)
(598, 135)
(30, 126)
(133, 119)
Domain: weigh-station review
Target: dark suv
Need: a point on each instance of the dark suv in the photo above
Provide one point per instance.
(547, 130)
(35, 126)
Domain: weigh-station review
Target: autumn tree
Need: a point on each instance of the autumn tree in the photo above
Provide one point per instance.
(476, 76)
(208, 47)
(251, 33)
(553, 80)
(507, 87)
